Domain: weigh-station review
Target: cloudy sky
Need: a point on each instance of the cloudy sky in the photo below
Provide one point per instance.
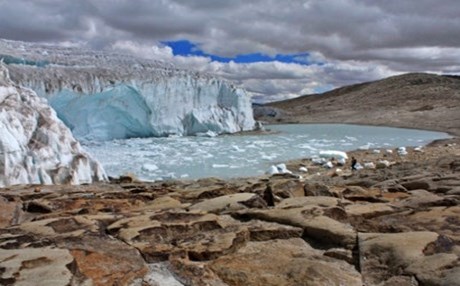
(275, 49)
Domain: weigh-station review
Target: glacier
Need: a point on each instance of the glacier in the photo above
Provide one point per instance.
(35, 146)
(105, 96)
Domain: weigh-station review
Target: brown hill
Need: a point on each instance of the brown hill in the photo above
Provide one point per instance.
(416, 100)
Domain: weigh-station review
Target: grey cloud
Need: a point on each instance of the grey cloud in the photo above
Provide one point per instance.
(44, 20)
(380, 37)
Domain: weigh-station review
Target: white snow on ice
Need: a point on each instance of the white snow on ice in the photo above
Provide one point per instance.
(35, 146)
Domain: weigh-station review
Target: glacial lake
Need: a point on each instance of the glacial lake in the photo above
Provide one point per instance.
(230, 156)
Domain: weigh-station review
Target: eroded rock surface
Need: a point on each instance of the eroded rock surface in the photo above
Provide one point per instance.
(394, 226)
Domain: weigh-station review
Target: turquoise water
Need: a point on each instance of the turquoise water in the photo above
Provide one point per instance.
(243, 155)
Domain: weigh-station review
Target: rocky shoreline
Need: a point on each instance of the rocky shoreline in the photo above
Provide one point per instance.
(392, 225)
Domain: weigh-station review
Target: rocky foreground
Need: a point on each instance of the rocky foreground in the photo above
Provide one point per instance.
(393, 225)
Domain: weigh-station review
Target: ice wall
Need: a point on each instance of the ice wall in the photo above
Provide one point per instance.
(102, 96)
(35, 146)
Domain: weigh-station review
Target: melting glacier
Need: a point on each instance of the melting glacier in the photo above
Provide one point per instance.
(230, 156)
(105, 96)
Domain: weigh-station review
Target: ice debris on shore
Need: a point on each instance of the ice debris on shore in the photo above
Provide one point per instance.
(333, 154)
(303, 170)
(278, 169)
(402, 151)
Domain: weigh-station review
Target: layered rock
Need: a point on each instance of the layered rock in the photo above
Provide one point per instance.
(104, 96)
(35, 146)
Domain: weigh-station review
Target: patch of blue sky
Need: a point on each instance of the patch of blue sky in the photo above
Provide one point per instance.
(323, 88)
(187, 48)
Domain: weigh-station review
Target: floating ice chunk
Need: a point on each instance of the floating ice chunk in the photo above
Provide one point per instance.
(267, 158)
(364, 147)
(169, 176)
(183, 176)
(149, 167)
(303, 169)
(220, 166)
(333, 154)
(209, 134)
(237, 148)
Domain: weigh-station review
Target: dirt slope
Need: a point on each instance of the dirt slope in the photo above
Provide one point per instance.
(423, 101)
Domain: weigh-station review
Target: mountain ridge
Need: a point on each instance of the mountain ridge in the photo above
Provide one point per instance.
(413, 100)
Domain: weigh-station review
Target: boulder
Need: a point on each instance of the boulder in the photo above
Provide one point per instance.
(419, 199)
(430, 270)
(287, 188)
(383, 255)
(316, 189)
(416, 185)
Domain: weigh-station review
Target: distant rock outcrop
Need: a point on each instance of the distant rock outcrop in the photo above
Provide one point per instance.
(35, 146)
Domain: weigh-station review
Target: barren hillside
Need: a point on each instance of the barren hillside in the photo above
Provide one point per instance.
(416, 100)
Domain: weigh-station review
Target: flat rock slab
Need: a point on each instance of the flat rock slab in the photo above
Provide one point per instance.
(320, 201)
(40, 266)
(231, 202)
(312, 220)
(368, 210)
(384, 255)
(283, 262)
(200, 236)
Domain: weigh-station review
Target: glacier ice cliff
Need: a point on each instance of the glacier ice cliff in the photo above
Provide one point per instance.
(35, 146)
(103, 95)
